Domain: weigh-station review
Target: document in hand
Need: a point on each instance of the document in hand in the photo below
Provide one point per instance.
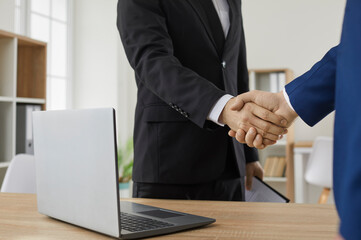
(262, 192)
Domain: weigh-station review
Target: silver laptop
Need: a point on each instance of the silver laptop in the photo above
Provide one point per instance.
(77, 177)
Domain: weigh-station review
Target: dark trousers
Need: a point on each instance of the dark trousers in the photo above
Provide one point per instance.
(222, 190)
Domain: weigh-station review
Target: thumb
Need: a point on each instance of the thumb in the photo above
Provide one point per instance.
(241, 100)
(249, 179)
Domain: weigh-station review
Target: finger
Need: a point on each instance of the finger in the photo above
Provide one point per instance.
(339, 237)
(258, 142)
(268, 136)
(249, 181)
(268, 142)
(265, 127)
(250, 136)
(238, 103)
(242, 99)
(265, 135)
(269, 116)
(240, 136)
(259, 172)
(232, 133)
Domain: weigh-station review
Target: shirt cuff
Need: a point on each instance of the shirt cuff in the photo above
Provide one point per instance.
(218, 108)
(285, 95)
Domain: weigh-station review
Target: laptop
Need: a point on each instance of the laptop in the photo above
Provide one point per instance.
(77, 177)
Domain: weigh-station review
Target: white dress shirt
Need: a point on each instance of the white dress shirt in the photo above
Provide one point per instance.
(287, 98)
(222, 9)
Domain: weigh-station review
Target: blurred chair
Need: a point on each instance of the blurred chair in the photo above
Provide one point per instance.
(20, 175)
(319, 167)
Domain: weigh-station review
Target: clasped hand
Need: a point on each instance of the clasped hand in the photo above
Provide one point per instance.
(258, 118)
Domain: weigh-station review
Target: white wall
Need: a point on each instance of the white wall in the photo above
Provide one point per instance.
(293, 34)
(102, 76)
(95, 54)
(7, 15)
(127, 97)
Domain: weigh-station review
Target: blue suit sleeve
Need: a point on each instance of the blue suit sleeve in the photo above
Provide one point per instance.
(312, 95)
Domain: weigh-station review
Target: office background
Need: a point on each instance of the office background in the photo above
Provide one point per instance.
(87, 66)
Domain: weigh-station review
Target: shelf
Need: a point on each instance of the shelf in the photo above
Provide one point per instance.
(270, 70)
(4, 164)
(304, 144)
(25, 41)
(304, 150)
(280, 143)
(6, 99)
(31, 100)
(275, 179)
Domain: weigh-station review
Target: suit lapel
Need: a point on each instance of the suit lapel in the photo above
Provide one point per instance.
(233, 8)
(233, 21)
(230, 84)
(202, 15)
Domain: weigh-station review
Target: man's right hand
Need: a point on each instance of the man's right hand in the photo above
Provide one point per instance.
(250, 115)
(274, 102)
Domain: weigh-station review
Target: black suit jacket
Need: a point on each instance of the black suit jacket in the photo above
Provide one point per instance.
(180, 76)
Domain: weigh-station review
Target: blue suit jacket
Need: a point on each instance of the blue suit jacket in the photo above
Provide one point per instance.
(334, 83)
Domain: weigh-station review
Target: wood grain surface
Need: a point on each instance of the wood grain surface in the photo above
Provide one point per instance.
(19, 219)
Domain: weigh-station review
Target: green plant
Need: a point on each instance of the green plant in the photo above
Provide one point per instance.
(125, 161)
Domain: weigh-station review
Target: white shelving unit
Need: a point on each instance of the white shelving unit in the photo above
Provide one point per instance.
(273, 80)
(31, 100)
(4, 164)
(22, 81)
(275, 179)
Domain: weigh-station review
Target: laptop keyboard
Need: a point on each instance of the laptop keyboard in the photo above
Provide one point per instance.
(134, 223)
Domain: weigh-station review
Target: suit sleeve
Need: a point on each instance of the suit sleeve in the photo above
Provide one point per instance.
(251, 154)
(148, 46)
(312, 95)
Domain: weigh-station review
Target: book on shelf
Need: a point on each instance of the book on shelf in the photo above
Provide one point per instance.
(277, 81)
(24, 133)
(275, 166)
(271, 82)
(274, 84)
(281, 80)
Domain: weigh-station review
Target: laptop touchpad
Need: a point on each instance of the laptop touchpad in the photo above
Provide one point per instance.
(161, 214)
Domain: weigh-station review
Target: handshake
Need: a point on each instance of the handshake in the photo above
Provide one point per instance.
(258, 118)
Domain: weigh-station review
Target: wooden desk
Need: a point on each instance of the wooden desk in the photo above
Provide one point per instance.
(19, 219)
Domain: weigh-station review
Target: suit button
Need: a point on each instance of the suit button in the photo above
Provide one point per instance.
(224, 64)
